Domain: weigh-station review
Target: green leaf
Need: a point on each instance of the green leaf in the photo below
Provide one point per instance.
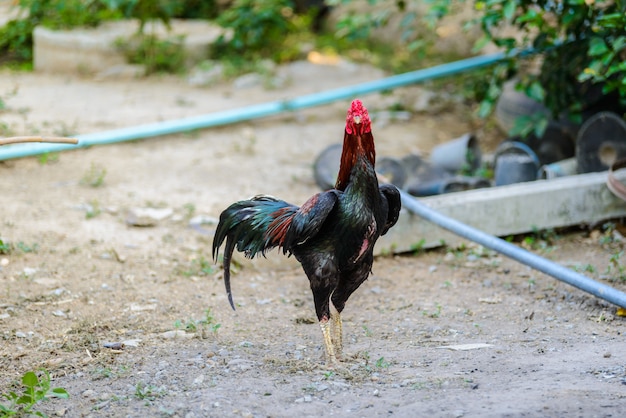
(30, 379)
(509, 9)
(597, 46)
(535, 91)
(59, 393)
(25, 399)
(485, 108)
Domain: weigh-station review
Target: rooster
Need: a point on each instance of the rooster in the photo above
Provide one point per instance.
(332, 234)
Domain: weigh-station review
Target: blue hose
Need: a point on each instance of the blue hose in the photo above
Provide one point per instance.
(254, 111)
(539, 263)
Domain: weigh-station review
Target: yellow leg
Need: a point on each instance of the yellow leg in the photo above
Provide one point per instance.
(328, 343)
(337, 330)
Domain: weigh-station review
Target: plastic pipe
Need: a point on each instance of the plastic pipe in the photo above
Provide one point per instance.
(539, 263)
(255, 111)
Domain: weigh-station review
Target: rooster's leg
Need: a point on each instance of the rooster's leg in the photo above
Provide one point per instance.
(336, 330)
(328, 343)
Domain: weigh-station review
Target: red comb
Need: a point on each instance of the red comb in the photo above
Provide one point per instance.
(357, 115)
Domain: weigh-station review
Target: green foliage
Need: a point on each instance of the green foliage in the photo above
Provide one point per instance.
(258, 29)
(16, 39)
(5, 248)
(583, 44)
(148, 393)
(35, 389)
(206, 324)
(94, 177)
(156, 55)
(25, 248)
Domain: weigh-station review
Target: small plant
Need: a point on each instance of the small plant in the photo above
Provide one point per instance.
(205, 324)
(156, 55)
(148, 392)
(93, 209)
(94, 177)
(48, 157)
(435, 314)
(209, 321)
(199, 267)
(35, 389)
(190, 210)
(367, 331)
(381, 363)
(418, 247)
(5, 247)
(615, 267)
(25, 248)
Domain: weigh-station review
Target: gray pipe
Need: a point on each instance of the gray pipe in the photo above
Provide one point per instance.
(539, 263)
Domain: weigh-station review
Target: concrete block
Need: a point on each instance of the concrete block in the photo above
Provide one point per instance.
(94, 51)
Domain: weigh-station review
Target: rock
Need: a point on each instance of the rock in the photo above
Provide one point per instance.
(60, 314)
(29, 271)
(46, 281)
(147, 216)
(206, 74)
(170, 335)
(247, 81)
(203, 220)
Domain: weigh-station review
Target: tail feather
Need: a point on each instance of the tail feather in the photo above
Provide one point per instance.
(251, 226)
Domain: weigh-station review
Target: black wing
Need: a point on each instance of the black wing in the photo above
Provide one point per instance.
(391, 196)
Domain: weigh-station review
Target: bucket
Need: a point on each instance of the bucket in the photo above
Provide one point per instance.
(515, 162)
(460, 153)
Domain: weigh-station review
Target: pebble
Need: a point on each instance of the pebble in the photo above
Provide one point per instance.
(147, 216)
(60, 314)
(203, 76)
(178, 333)
(46, 281)
(89, 393)
(203, 220)
(29, 271)
(247, 81)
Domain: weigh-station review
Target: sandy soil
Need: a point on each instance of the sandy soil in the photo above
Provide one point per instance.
(450, 332)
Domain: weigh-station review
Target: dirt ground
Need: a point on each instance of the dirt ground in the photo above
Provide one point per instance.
(448, 333)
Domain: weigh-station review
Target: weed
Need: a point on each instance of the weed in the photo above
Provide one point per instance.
(615, 267)
(199, 267)
(94, 177)
(156, 55)
(589, 268)
(368, 332)
(48, 157)
(205, 324)
(541, 239)
(190, 210)
(25, 248)
(418, 247)
(93, 209)
(435, 314)
(5, 247)
(35, 389)
(148, 392)
(381, 363)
